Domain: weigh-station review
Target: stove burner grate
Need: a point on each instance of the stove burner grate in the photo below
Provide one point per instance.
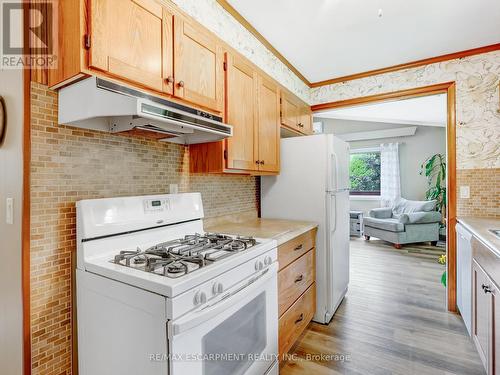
(182, 256)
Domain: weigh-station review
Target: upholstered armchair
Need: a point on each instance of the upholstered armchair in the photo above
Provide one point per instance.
(406, 222)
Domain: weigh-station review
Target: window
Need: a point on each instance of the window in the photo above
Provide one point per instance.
(364, 172)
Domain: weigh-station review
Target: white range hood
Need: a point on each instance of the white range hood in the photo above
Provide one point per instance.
(102, 105)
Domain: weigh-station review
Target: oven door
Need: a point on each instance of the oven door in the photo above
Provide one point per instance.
(237, 334)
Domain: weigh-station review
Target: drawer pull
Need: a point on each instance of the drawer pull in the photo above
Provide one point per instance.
(301, 318)
(299, 278)
(298, 247)
(486, 288)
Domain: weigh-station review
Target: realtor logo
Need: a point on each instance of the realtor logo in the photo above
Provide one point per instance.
(41, 28)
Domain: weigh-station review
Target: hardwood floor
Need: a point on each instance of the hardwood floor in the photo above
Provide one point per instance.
(392, 321)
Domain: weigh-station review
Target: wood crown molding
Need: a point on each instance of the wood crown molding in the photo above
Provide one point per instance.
(385, 97)
(413, 64)
(233, 12)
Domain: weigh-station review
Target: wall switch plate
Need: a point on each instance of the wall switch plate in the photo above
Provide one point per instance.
(9, 211)
(464, 192)
(174, 189)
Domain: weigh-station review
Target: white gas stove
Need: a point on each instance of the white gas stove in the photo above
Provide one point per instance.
(158, 295)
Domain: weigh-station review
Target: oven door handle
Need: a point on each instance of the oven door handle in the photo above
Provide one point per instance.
(229, 299)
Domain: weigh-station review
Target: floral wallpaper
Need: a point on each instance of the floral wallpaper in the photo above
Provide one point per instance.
(215, 18)
(477, 101)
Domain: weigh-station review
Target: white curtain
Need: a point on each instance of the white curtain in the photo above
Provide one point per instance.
(390, 181)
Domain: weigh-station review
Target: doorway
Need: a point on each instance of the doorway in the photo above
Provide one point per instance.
(449, 90)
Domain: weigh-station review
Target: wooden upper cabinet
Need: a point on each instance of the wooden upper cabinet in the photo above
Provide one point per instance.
(198, 65)
(132, 39)
(241, 113)
(268, 125)
(295, 114)
(289, 111)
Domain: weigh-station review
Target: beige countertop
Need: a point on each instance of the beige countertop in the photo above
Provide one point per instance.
(479, 227)
(280, 230)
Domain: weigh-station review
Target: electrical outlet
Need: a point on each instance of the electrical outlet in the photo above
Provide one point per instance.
(464, 192)
(174, 189)
(9, 211)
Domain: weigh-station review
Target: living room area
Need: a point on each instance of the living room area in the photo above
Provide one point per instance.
(397, 168)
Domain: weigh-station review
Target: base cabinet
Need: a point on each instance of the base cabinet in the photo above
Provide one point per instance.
(296, 288)
(482, 312)
(486, 307)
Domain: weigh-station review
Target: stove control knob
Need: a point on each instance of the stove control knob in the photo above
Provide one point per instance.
(199, 298)
(217, 288)
(203, 297)
(268, 260)
(259, 265)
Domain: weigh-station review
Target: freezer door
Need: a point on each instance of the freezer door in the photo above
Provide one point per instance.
(337, 238)
(338, 165)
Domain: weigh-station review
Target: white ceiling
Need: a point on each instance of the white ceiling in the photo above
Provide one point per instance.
(426, 110)
(325, 39)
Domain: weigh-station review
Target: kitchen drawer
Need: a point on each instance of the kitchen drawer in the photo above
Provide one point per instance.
(294, 280)
(295, 248)
(295, 319)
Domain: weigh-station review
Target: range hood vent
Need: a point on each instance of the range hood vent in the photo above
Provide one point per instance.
(98, 104)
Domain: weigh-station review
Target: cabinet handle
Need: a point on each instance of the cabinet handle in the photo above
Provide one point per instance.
(257, 161)
(301, 318)
(181, 84)
(170, 79)
(299, 278)
(262, 162)
(299, 247)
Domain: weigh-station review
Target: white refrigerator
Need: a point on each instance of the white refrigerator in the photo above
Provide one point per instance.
(313, 185)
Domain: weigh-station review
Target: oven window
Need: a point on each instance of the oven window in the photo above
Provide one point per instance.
(228, 345)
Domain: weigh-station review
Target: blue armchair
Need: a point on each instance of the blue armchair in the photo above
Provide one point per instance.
(406, 222)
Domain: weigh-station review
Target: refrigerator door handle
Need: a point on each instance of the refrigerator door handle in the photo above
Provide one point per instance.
(334, 213)
(333, 172)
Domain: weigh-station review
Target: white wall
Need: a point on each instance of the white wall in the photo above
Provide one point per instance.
(427, 141)
(11, 174)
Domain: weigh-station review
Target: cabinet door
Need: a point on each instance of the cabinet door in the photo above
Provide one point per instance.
(289, 111)
(198, 66)
(132, 39)
(269, 126)
(481, 307)
(306, 121)
(241, 110)
(495, 339)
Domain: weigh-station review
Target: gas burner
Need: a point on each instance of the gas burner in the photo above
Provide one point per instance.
(178, 257)
(176, 267)
(237, 245)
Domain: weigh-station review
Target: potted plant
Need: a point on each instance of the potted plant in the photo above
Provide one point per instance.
(434, 169)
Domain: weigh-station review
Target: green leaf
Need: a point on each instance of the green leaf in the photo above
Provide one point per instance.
(443, 278)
